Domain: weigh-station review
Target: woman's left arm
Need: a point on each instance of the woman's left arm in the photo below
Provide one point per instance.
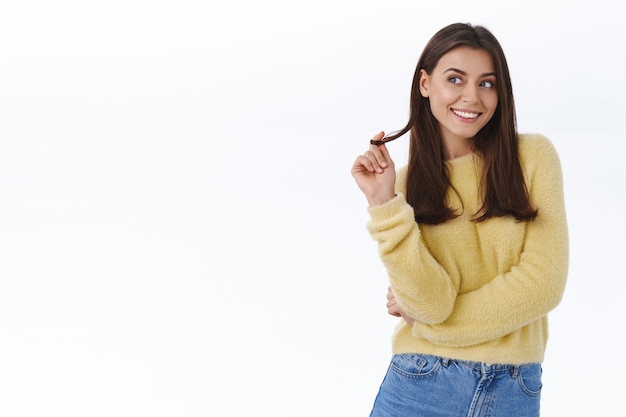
(531, 288)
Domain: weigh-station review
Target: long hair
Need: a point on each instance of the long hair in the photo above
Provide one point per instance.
(502, 187)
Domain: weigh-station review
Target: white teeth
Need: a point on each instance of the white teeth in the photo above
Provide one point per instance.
(465, 115)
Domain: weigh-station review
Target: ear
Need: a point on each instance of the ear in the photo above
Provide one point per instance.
(424, 83)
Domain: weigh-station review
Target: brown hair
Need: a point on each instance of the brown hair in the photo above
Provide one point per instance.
(502, 184)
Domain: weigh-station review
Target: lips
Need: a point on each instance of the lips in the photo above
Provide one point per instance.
(466, 114)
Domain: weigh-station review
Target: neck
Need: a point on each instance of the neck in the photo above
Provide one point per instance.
(456, 149)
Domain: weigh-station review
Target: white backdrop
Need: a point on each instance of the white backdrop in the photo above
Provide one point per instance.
(179, 231)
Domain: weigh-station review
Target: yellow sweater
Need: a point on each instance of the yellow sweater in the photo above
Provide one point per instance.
(478, 291)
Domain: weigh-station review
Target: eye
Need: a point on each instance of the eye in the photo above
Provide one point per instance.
(487, 84)
(455, 80)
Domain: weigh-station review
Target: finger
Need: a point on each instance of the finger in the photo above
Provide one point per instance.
(379, 136)
(363, 163)
(390, 294)
(377, 161)
(392, 304)
(381, 153)
(378, 158)
(384, 154)
(394, 310)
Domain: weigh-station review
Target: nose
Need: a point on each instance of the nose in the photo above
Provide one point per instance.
(470, 93)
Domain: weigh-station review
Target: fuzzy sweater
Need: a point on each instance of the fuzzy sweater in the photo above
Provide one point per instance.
(478, 291)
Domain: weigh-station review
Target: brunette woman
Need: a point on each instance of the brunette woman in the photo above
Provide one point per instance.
(473, 235)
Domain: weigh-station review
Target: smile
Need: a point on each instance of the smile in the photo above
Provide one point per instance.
(465, 115)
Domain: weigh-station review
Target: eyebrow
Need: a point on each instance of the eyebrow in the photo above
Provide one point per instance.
(452, 69)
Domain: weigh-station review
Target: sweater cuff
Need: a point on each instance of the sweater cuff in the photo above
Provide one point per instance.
(389, 214)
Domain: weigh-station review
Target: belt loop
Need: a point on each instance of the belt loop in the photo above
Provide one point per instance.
(514, 371)
(445, 361)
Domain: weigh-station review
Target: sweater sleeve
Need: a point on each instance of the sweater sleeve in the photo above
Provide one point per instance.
(423, 288)
(531, 288)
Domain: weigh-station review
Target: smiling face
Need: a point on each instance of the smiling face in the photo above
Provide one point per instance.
(463, 97)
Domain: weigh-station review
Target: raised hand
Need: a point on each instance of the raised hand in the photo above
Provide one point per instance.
(375, 173)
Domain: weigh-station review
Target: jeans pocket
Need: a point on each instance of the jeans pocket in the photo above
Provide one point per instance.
(529, 379)
(411, 365)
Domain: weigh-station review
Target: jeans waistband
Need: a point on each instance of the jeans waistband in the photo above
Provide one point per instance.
(483, 367)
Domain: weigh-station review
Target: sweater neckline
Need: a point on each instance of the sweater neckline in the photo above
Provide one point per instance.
(461, 159)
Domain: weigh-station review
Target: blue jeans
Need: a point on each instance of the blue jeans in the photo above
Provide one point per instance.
(429, 386)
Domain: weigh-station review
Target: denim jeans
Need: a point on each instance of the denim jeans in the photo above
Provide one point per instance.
(429, 386)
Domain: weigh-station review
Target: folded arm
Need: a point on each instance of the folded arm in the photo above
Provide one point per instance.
(423, 288)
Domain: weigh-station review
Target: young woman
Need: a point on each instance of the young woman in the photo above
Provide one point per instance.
(473, 235)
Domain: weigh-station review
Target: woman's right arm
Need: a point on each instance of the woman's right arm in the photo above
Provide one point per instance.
(423, 289)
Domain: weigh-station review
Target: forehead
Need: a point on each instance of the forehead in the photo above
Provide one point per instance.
(469, 60)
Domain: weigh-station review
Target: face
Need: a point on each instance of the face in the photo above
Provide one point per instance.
(462, 92)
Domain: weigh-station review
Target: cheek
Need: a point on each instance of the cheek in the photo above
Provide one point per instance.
(447, 95)
(441, 99)
(492, 102)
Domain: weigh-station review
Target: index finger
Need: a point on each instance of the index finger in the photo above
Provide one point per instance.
(382, 149)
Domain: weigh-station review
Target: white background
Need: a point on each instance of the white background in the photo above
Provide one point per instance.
(179, 231)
